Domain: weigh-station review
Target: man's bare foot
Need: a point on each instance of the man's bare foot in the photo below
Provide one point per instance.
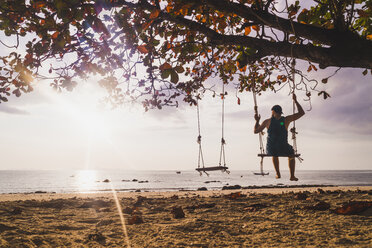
(293, 179)
(278, 176)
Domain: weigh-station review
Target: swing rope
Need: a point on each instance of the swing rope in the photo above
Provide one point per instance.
(200, 156)
(293, 71)
(293, 90)
(223, 142)
(293, 129)
(260, 135)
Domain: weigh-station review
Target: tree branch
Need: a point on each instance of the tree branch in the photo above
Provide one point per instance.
(333, 56)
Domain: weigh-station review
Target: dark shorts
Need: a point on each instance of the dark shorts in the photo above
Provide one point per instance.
(285, 150)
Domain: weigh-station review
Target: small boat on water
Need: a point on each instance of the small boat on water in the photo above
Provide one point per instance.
(178, 172)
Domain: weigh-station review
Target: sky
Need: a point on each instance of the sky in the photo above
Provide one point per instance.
(50, 130)
(72, 130)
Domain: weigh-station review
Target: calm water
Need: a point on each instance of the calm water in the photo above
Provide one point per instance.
(92, 181)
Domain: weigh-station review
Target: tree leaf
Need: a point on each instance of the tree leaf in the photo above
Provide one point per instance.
(142, 49)
(38, 5)
(165, 73)
(154, 14)
(174, 76)
(247, 30)
(17, 92)
(165, 66)
(179, 69)
(55, 35)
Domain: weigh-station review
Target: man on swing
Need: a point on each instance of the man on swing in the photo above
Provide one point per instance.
(277, 138)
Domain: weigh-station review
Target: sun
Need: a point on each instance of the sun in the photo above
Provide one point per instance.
(83, 111)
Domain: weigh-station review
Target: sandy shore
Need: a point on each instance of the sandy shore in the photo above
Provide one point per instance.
(279, 217)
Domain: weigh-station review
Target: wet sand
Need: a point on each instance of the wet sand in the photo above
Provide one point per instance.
(278, 217)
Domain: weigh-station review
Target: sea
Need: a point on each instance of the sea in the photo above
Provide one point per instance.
(93, 181)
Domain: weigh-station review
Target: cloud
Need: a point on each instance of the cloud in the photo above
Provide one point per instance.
(349, 109)
(12, 110)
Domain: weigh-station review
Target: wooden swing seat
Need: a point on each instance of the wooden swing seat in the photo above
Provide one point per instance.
(213, 168)
(261, 174)
(266, 155)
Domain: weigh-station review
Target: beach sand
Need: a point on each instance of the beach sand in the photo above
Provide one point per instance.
(279, 217)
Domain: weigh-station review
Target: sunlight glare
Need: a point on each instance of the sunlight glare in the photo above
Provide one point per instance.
(86, 179)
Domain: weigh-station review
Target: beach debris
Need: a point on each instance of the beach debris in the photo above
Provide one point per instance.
(16, 211)
(129, 210)
(136, 214)
(143, 181)
(353, 207)
(104, 210)
(135, 219)
(320, 191)
(202, 189)
(235, 195)
(321, 206)
(140, 200)
(231, 187)
(255, 207)
(106, 180)
(178, 212)
(300, 196)
(97, 236)
(203, 205)
(174, 197)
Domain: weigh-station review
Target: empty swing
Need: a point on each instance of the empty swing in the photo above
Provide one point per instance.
(262, 153)
(221, 167)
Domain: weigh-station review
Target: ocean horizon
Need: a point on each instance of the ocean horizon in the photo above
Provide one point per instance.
(93, 181)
